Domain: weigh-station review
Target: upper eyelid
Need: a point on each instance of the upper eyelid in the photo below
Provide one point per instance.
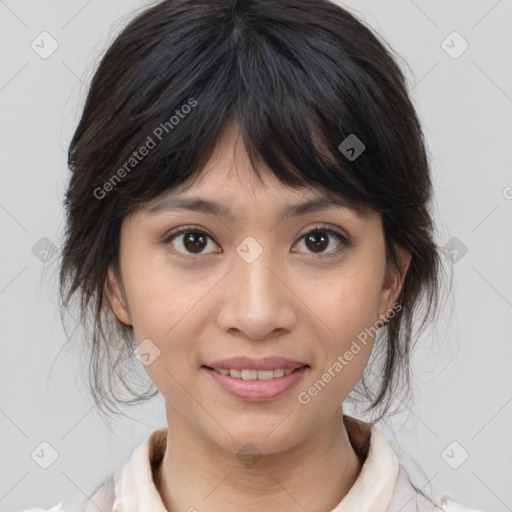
(319, 227)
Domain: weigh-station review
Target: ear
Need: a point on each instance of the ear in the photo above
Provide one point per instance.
(115, 295)
(393, 281)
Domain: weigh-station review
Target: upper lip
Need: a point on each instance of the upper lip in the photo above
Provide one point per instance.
(267, 363)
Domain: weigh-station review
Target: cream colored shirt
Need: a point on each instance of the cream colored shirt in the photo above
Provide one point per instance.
(383, 484)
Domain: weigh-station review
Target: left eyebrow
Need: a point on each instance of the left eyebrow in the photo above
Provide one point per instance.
(211, 207)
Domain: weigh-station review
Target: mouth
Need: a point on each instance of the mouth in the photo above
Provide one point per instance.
(256, 385)
(251, 374)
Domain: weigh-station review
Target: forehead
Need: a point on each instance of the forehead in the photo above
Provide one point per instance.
(229, 182)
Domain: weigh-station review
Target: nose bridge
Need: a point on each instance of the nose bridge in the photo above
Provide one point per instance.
(257, 302)
(252, 269)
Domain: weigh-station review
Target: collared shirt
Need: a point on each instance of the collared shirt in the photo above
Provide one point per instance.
(383, 485)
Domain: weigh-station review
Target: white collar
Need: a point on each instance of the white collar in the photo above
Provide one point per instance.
(375, 484)
(373, 490)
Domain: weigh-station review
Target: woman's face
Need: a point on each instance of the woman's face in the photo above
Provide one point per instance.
(253, 286)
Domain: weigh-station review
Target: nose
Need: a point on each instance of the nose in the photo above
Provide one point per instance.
(257, 300)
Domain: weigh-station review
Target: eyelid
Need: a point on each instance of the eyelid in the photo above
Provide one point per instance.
(344, 240)
(327, 228)
(320, 227)
(186, 229)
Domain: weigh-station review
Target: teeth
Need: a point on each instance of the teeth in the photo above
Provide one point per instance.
(247, 374)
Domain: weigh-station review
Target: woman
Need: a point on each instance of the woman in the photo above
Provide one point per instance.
(248, 217)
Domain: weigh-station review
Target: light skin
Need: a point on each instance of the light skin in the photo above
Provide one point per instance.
(296, 300)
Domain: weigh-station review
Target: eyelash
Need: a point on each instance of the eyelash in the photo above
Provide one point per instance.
(317, 229)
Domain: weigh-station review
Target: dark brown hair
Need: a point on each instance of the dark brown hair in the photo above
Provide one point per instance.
(298, 77)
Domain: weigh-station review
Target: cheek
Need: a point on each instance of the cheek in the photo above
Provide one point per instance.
(347, 302)
(349, 307)
(162, 311)
(154, 306)
(158, 293)
(347, 298)
(168, 308)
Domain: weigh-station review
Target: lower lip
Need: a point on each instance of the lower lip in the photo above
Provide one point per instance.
(257, 390)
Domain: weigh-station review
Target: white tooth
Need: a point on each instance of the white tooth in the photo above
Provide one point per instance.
(234, 373)
(265, 374)
(249, 374)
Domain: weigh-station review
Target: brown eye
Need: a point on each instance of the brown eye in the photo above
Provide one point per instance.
(318, 240)
(189, 241)
(194, 242)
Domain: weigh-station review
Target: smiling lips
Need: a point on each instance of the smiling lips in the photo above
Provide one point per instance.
(256, 379)
(267, 363)
(251, 369)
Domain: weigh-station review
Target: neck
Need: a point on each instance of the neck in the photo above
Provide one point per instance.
(314, 475)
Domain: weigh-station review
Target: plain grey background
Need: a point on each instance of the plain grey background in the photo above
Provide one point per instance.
(459, 430)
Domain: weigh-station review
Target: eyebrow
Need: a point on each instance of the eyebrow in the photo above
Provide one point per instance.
(217, 209)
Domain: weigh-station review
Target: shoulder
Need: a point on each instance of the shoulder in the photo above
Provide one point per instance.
(408, 498)
(123, 484)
